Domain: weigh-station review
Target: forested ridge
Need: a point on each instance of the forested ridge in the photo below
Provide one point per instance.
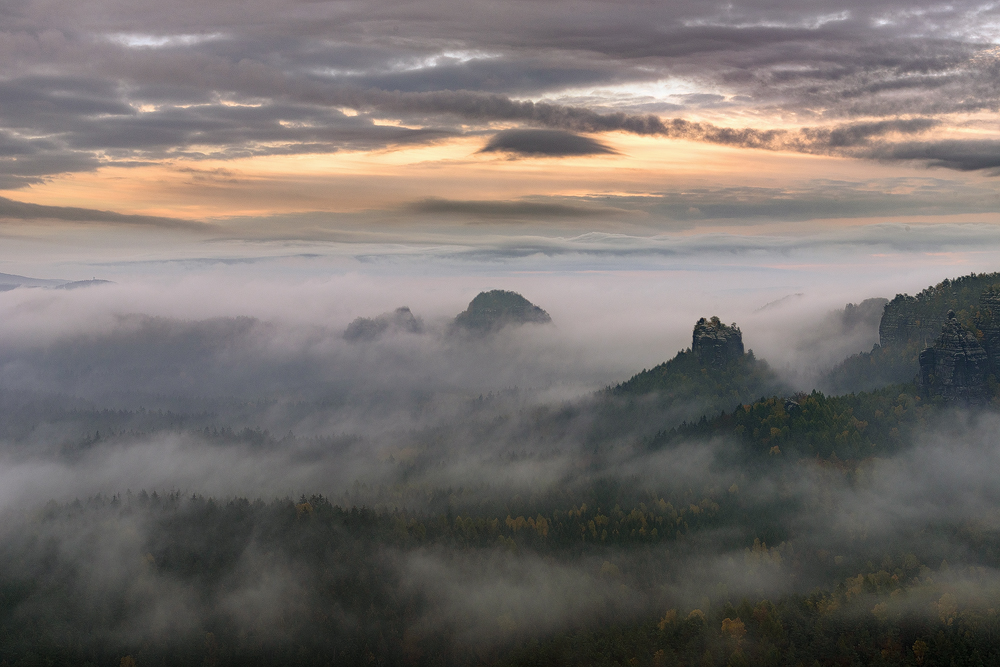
(854, 426)
(352, 607)
(700, 513)
(909, 324)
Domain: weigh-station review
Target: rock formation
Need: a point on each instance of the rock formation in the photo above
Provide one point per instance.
(898, 324)
(988, 322)
(956, 366)
(491, 311)
(715, 343)
(370, 328)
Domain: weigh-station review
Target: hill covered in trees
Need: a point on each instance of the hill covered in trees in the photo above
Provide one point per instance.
(712, 375)
(909, 325)
(699, 513)
(493, 310)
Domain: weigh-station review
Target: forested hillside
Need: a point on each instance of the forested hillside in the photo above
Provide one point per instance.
(698, 513)
(909, 324)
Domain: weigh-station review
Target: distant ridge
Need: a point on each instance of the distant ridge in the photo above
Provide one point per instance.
(9, 281)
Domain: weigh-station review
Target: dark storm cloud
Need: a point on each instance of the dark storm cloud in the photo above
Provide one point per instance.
(549, 143)
(98, 81)
(960, 155)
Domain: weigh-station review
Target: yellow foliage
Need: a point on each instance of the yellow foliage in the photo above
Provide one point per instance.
(855, 586)
(516, 524)
(947, 608)
(127, 661)
(667, 619)
(759, 554)
(735, 628)
(696, 614)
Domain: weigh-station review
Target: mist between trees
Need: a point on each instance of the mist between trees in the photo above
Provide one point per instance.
(287, 500)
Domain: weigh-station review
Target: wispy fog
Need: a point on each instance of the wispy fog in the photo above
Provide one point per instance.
(262, 348)
(143, 398)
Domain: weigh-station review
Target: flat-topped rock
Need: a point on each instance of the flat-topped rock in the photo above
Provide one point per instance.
(715, 343)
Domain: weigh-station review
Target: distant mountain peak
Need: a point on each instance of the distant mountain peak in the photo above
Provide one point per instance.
(493, 310)
(370, 328)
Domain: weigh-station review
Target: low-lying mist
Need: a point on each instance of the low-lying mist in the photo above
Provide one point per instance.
(175, 464)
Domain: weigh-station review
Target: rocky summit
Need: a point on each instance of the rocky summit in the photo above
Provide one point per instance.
(715, 343)
(371, 328)
(493, 310)
(956, 366)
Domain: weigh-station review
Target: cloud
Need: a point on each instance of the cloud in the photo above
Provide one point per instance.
(510, 209)
(544, 143)
(87, 89)
(16, 210)
(960, 155)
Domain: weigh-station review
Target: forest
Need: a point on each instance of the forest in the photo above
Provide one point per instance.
(703, 512)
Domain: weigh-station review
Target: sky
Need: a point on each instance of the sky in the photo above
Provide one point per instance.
(782, 145)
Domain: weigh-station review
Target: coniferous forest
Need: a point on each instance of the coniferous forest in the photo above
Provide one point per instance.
(704, 512)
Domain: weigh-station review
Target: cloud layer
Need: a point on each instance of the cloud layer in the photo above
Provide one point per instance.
(101, 83)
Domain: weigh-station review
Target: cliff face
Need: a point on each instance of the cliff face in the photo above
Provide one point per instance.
(956, 367)
(715, 343)
(912, 319)
(988, 323)
(900, 323)
(909, 324)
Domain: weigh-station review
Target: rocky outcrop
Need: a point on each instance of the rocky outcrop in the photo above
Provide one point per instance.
(988, 323)
(909, 320)
(901, 322)
(370, 328)
(956, 367)
(715, 343)
(493, 310)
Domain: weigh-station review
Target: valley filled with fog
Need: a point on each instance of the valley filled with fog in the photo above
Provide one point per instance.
(290, 470)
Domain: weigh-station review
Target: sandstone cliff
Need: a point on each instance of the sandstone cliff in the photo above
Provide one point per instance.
(715, 343)
(956, 367)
